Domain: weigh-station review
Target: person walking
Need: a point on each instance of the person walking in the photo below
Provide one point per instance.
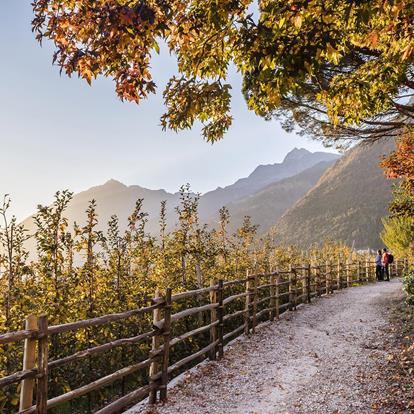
(378, 266)
(385, 265)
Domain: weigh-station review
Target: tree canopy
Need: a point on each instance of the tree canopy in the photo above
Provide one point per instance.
(398, 230)
(400, 165)
(336, 68)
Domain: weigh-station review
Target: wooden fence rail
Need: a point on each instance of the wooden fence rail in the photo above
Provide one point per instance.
(234, 307)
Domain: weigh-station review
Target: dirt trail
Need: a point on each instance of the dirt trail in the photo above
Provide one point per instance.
(323, 358)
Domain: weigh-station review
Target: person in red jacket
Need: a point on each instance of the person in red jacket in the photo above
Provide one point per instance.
(385, 264)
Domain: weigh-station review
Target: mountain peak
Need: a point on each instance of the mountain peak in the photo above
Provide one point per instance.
(296, 154)
(112, 183)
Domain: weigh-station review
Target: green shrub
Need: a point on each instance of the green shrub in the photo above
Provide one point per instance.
(409, 286)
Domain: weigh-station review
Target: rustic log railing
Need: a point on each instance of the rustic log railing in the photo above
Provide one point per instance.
(234, 307)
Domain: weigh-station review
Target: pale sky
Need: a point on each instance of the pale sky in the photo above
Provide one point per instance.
(58, 133)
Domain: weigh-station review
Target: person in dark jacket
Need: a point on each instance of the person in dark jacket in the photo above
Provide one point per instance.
(385, 265)
(378, 266)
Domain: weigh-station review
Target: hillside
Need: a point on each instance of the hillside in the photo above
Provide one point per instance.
(267, 205)
(346, 204)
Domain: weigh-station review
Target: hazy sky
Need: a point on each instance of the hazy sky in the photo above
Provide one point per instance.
(58, 133)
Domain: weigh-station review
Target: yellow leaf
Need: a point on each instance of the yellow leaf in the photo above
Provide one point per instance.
(297, 21)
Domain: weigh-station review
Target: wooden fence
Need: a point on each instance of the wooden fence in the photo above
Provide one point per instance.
(232, 308)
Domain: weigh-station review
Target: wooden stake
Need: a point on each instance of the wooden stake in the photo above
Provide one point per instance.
(277, 300)
(339, 274)
(308, 283)
(166, 348)
(254, 324)
(272, 294)
(291, 304)
(213, 318)
(220, 315)
(304, 294)
(327, 277)
(348, 274)
(318, 279)
(156, 340)
(313, 277)
(247, 305)
(29, 362)
(42, 366)
(292, 288)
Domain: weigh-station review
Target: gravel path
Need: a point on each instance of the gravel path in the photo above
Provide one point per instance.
(325, 358)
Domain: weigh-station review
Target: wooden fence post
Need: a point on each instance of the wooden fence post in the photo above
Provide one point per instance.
(372, 266)
(359, 272)
(213, 319)
(295, 288)
(220, 316)
(156, 339)
(317, 275)
(348, 273)
(247, 305)
(339, 274)
(405, 267)
(166, 345)
(367, 278)
(42, 366)
(291, 291)
(304, 293)
(254, 324)
(29, 362)
(372, 270)
(272, 296)
(318, 279)
(327, 277)
(277, 293)
(308, 283)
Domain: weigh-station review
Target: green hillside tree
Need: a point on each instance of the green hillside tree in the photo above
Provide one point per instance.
(51, 238)
(13, 262)
(400, 165)
(398, 236)
(398, 231)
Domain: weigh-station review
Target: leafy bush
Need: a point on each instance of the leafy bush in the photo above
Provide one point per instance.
(409, 286)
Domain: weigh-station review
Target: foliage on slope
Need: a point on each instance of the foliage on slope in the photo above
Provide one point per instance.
(266, 206)
(347, 204)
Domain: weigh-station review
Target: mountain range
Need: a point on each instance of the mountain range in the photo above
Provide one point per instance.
(303, 191)
(113, 197)
(295, 162)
